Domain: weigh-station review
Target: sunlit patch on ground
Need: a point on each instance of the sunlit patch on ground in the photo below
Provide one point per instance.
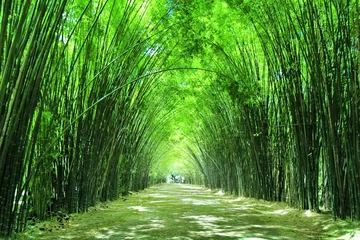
(200, 202)
(207, 218)
(156, 195)
(308, 213)
(236, 200)
(280, 212)
(159, 201)
(147, 227)
(221, 193)
(139, 208)
(108, 234)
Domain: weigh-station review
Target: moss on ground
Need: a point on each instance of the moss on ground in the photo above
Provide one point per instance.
(179, 211)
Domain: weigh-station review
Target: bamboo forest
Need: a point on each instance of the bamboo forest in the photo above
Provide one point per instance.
(210, 103)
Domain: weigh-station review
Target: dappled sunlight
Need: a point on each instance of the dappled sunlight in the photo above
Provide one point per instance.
(139, 208)
(159, 201)
(190, 188)
(242, 207)
(147, 227)
(239, 199)
(157, 195)
(212, 228)
(170, 211)
(353, 235)
(308, 213)
(200, 202)
(187, 186)
(280, 212)
(105, 235)
(181, 238)
(207, 218)
(220, 193)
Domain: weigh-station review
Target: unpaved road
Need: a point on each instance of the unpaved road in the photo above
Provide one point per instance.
(179, 211)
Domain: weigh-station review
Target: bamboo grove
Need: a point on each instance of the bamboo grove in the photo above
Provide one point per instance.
(266, 94)
(282, 120)
(75, 79)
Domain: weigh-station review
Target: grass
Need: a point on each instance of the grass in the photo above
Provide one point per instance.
(179, 211)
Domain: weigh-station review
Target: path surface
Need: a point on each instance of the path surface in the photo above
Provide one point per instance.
(178, 211)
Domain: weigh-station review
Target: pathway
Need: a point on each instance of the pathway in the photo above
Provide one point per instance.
(179, 211)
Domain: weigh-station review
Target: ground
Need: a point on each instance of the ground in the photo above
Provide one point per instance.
(180, 211)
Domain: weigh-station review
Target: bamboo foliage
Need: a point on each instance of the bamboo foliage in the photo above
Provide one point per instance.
(294, 91)
(317, 66)
(237, 123)
(74, 80)
(25, 53)
(85, 105)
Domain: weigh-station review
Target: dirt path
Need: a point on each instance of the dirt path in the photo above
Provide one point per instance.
(177, 211)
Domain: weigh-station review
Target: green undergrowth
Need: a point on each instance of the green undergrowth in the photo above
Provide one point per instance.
(179, 211)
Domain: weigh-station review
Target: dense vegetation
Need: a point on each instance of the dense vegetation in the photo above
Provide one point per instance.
(99, 98)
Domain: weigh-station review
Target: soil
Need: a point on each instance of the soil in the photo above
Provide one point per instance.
(180, 211)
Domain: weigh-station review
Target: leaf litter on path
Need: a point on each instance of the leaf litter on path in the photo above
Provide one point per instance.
(180, 211)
